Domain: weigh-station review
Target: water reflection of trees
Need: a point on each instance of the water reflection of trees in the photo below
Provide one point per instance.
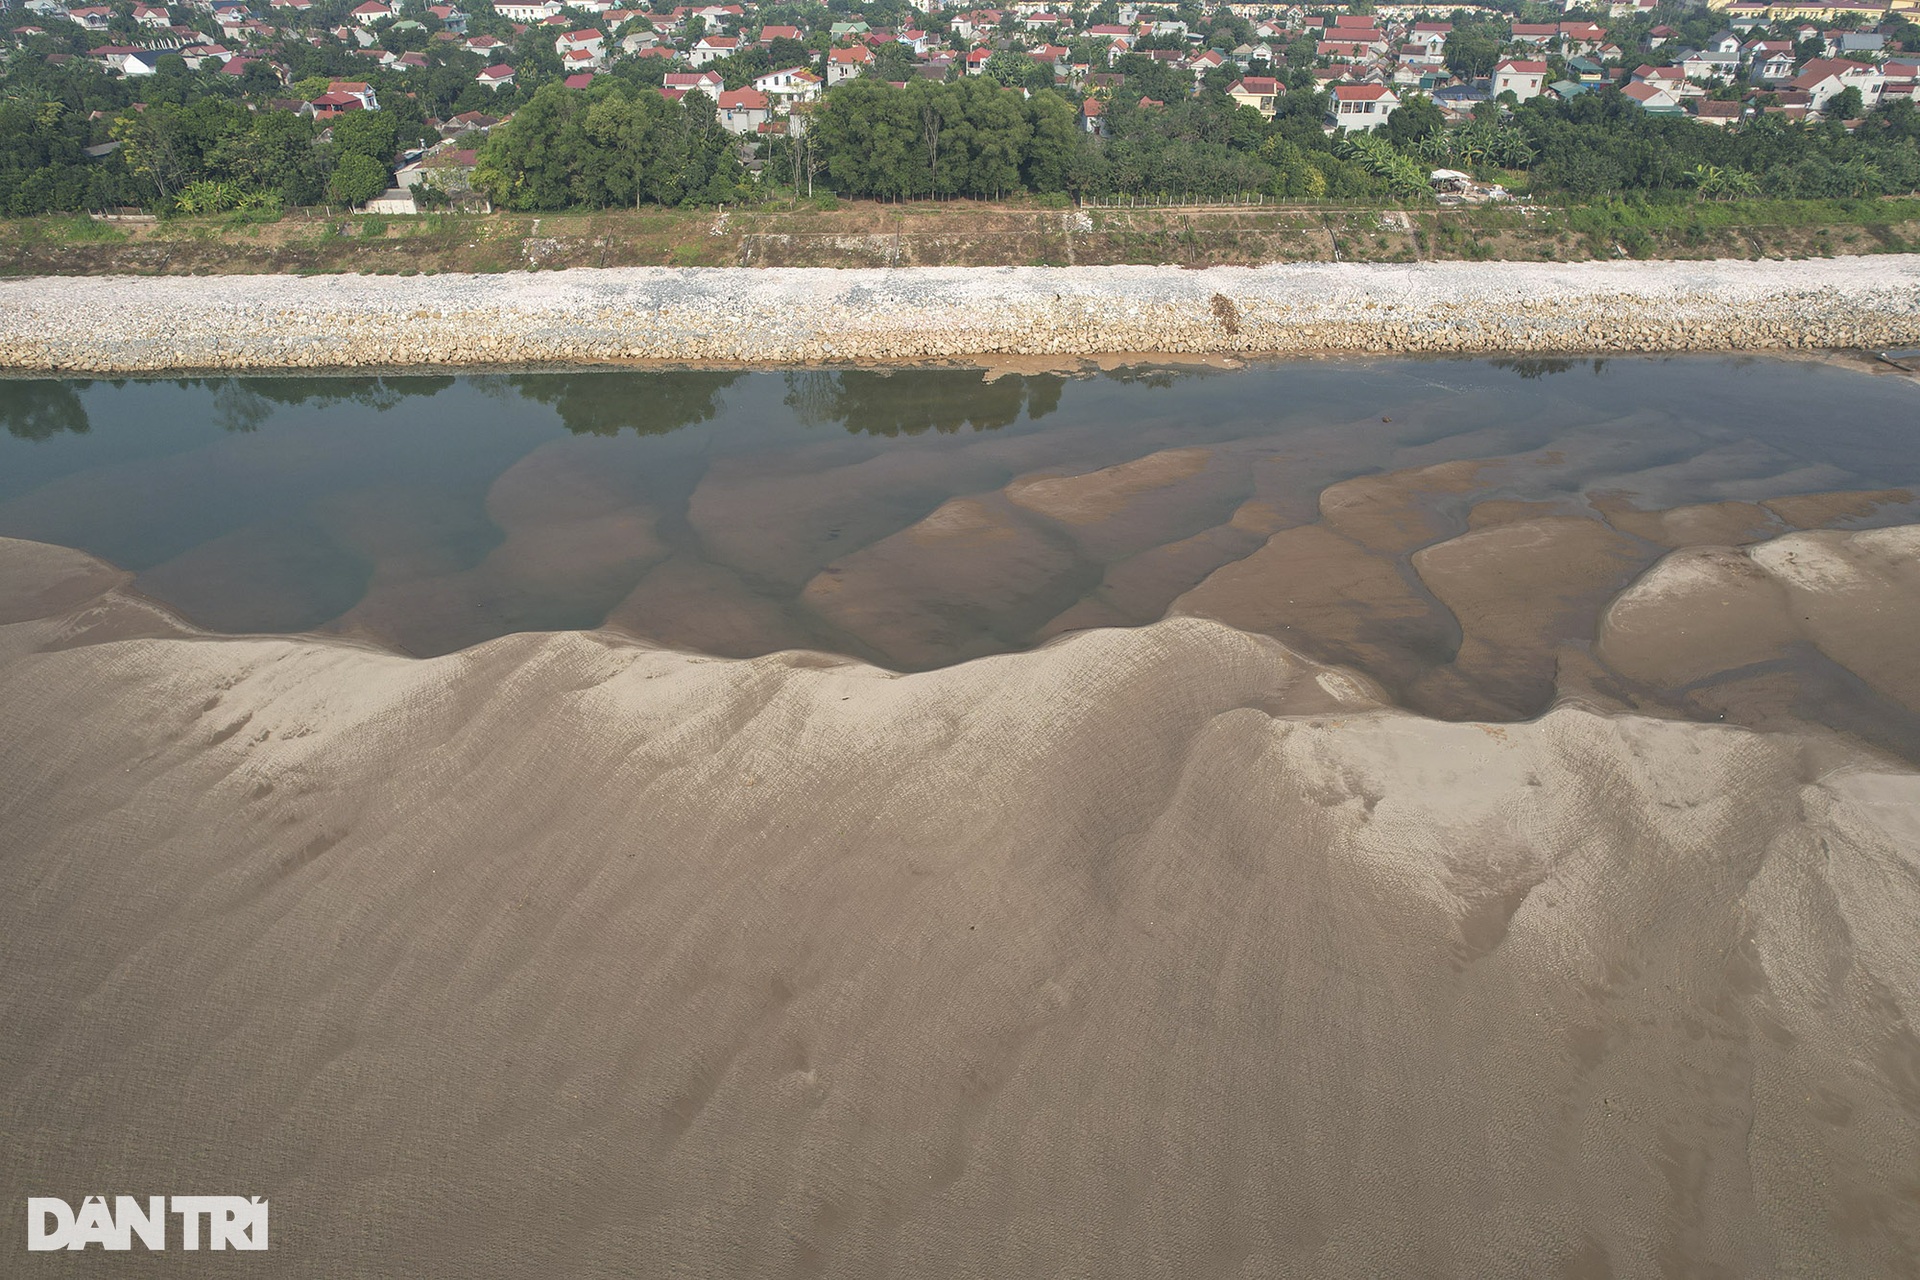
(605, 404)
(243, 404)
(1542, 366)
(910, 402)
(40, 408)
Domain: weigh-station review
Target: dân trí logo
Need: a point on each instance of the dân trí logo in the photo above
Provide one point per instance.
(229, 1222)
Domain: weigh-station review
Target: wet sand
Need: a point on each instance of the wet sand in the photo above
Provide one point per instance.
(1150, 952)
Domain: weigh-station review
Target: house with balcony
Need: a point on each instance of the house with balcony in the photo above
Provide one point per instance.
(1360, 108)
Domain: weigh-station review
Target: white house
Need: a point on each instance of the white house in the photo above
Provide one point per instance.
(498, 76)
(743, 110)
(795, 84)
(1361, 108)
(371, 12)
(585, 41)
(707, 82)
(526, 10)
(126, 60)
(1652, 96)
(1823, 79)
(846, 64)
(712, 48)
(1770, 61)
(1710, 66)
(1521, 78)
(359, 89)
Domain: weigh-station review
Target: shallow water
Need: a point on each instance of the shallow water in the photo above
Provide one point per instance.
(921, 517)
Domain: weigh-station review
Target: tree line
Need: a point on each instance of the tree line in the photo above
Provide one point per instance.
(621, 143)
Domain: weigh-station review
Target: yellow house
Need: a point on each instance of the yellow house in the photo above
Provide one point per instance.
(1262, 93)
(1808, 10)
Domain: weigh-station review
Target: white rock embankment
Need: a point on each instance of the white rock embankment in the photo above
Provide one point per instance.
(813, 315)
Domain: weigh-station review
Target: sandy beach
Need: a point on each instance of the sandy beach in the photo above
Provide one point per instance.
(782, 316)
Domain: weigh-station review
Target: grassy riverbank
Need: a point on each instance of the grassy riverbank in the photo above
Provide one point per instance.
(861, 234)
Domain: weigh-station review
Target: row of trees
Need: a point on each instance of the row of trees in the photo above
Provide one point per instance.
(620, 143)
(610, 146)
(969, 137)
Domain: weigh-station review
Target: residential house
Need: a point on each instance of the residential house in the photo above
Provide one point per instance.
(682, 82)
(1262, 93)
(1581, 37)
(467, 122)
(1361, 108)
(1523, 79)
(1849, 44)
(1051, 56)
(1344, 50)
(331, 106)
(498, 76)
(586, 41)
(1204, 61)
(1710, 67)
(1653, 98)
(795, 84)
(153, 17)
(769, 34)
(846, 64)
(744, 110)
(1769, 61)
(1824, 78)
(125, 59)
(1722, 115)
(526, 10)
(359, 90)
(712, 48)
(371, 12)
(1093, 117)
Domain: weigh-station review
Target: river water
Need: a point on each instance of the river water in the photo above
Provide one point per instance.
(922, 517)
